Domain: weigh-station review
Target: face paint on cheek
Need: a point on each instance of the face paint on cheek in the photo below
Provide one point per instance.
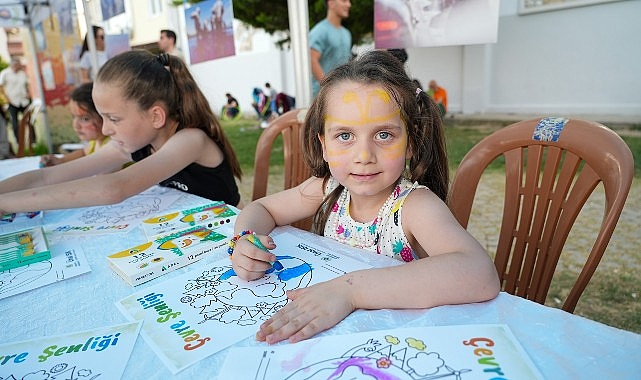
(335, 156)
(396, 151)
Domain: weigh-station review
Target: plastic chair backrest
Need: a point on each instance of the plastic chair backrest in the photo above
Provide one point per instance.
(552, 167)
(26, 129)
(290, 126)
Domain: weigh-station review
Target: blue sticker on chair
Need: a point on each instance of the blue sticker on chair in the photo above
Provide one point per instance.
(549, 129)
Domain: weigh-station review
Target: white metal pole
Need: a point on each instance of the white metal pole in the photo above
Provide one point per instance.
(298, 30)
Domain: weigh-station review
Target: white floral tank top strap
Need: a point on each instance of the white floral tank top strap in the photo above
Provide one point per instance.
(383, 235)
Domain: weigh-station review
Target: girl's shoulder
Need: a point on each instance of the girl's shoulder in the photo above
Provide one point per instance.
(419, 198)
(189, 142)
(192, 136)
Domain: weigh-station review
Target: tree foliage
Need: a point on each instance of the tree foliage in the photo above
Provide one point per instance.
(272, 16)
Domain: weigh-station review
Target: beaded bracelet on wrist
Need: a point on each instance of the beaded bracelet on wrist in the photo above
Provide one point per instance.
(232, 242)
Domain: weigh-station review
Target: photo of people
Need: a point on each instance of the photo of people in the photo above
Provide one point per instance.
(422, 23)
(111, 8)
(210, 30)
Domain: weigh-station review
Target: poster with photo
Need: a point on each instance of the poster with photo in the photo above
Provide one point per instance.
(422, 23)
(116, 44)
(210, 30)
(111, 8)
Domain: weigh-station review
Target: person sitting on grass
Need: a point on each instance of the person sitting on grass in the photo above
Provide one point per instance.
(231, 110)
(261, 105)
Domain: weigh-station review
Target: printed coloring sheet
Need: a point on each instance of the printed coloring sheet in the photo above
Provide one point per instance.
(67, 260)
(120, 217)
(96, 354)
(206, 310)
(465, 352)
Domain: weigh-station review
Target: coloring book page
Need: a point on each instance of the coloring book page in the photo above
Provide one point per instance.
(95, 354)
(120, 217)
(67, 260)
(465, 352)
(206, 310)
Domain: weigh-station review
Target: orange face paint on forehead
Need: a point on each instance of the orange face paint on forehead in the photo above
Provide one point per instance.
(364, 108)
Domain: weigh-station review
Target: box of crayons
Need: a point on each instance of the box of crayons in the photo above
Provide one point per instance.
(23, 247)
(211, 215)
(167, 253)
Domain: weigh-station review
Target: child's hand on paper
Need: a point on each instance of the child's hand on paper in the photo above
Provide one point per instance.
(312, 310)
(251, 262)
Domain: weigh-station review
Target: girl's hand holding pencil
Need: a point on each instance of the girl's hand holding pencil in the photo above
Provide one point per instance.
(250, 255)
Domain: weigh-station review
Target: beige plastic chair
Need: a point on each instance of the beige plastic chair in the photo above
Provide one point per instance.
(290, 126)
(547, 183)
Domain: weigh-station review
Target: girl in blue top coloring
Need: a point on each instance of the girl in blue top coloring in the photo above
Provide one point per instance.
(155, 114)
(375, 144)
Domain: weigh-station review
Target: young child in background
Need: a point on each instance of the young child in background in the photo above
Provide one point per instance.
(154, 114)
(86, 122)
(367, 122)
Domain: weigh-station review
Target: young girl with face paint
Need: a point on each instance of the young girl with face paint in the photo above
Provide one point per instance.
(86, 122)
(155, 115)
(376, 148)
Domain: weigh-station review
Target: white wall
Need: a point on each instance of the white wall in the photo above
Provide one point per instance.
(575, 61)
(239, 75)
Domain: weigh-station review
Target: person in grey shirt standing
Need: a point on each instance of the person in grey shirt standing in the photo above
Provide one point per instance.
(330, 42)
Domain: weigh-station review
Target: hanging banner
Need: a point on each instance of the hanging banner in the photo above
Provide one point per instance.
(111, 8)
(404, 24)
(12, 13)
(210, 30)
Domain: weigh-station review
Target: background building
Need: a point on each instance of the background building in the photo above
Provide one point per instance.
(570, 61)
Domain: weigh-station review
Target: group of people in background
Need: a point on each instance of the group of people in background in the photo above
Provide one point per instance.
(166, 43)
(267, 104)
